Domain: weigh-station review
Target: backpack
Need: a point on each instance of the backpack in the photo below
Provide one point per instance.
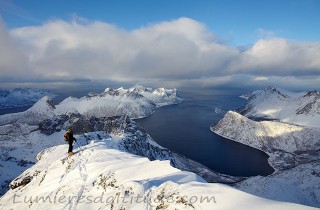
(65, 137)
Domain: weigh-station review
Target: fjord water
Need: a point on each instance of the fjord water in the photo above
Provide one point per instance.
(185, 128)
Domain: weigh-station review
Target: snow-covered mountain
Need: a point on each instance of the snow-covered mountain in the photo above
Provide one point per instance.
(129, 102)
(42, 109)
(294, 150)
(159, 96)
(20, 97)
(299, 185)
(135, 102)
(287, 145)
(294, 108)
(100, 177)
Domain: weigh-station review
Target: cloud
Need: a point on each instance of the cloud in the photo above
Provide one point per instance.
(280, 57)
(179, 50)
(261, 79)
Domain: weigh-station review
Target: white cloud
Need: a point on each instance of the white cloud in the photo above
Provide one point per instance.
(179, 50)
(279, 56)
(260, 78)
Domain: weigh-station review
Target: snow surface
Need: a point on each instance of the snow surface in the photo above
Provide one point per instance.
(100, 177)
(299, 185)
(295, 108)
(21, 97)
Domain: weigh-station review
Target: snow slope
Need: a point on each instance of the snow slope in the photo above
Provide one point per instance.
(99, 177)
(287, 145)
(294, 108)
(20, 97)
(41, 110)
(299, 185)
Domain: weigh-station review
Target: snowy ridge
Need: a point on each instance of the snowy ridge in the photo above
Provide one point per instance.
(20, 97)
(99, 177)
(136, 102)
(160, 96)
(109, 103)
(294, 108)
(287, 145)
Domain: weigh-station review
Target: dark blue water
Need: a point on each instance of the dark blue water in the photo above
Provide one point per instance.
(13, 110)
(185, 128)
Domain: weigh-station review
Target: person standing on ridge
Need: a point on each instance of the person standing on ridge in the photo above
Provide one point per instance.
(68, 136)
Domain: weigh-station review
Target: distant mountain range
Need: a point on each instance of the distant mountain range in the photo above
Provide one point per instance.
(271, 103)
(21, 97)
(135, 102)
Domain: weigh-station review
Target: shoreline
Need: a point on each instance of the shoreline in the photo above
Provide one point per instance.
(275, 170)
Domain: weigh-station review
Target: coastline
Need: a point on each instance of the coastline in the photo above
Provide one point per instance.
(269, 154)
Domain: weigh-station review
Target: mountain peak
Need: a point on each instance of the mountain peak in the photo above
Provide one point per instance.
(43, 105)
(313, 93)
(301, 108)
(270, 87)
(271, 90)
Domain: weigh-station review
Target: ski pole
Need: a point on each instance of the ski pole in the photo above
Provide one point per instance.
(79, 146)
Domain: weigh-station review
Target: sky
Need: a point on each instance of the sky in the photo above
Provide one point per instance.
(163, 42)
